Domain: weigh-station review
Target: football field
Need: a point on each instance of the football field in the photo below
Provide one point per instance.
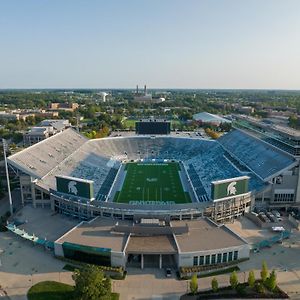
(152, 182)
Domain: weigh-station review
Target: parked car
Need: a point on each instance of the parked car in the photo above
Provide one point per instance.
(168, 272)
(276, 213)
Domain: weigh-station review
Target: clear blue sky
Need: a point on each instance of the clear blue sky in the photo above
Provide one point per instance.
(164, 43)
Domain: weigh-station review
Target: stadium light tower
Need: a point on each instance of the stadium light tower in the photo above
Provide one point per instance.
(7, 176)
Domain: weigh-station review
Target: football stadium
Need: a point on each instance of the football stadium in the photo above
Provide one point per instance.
(153, 200)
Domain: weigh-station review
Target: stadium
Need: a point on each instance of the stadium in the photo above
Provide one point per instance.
(150, 200)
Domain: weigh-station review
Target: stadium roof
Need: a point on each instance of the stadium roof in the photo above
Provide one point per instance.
(282, 129)
(206, 117)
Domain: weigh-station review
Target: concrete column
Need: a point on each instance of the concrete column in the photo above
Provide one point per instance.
(22, 195)
(142, 261)
(160, 261)
(33, 194)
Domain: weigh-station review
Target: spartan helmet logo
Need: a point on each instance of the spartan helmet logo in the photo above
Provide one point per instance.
(72, 187)
(231, 189)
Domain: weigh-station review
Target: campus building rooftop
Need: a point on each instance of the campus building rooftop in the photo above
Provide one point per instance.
(160, 244)
(97, 233)
(206, 117)
(205, 235)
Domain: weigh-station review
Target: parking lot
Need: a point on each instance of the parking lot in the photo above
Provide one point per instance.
(254, 234)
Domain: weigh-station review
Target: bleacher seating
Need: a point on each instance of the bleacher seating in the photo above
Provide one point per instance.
(99, 159)
(41, 158)
(261, 158)
(197, 184)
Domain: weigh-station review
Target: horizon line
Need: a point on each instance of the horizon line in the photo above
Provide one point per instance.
(154, 88)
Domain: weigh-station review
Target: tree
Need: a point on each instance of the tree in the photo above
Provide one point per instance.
(91, 284)
(264, 272)
(214, 284)
(194, 284)
(271, 282)
(234, 280)
(251, 279)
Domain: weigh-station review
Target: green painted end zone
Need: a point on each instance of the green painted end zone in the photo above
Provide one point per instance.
(152, 182)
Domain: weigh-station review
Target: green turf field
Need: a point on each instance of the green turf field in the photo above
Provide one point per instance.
(152, 182)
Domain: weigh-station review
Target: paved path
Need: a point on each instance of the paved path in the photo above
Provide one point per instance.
(23, 265)
(152, 284)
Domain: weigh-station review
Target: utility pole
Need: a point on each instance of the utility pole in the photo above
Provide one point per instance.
(7, 176)
(77, 121)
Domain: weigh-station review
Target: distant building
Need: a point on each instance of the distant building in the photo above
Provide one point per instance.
(58, 124)
(103, 96)
(64, 106)
(44, 130)
(8, 116)
(37, 134)
(207, 118)
(246, 110)
(25, 114)
(144, 97)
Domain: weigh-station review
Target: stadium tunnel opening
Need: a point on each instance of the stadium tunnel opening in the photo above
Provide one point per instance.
(145, 260)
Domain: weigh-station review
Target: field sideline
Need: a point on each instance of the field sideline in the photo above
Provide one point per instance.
(152, 182)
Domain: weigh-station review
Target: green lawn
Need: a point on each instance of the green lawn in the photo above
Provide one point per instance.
(154, 182)
(127, 123)
(52, 290)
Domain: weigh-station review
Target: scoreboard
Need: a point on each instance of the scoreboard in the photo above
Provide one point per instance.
(153, 127)
(231, 187)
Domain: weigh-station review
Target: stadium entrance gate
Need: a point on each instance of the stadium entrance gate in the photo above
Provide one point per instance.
(146, 260)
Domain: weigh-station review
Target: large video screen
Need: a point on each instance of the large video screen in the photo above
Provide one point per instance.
(229, 187)
(75, 186)
(152, 127)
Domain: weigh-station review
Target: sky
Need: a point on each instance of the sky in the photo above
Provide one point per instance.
(205, 44)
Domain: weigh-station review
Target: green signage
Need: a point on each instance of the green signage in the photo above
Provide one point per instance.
(85, 248)
(229, 187)
(75, 186)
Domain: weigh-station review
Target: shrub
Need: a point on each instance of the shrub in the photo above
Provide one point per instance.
(233, 280)
(194, 284)
(264, 272)
(271, 282)
(251, 279)
(214, 284)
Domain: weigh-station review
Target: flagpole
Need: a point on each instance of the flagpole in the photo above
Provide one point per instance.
(7, 177)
